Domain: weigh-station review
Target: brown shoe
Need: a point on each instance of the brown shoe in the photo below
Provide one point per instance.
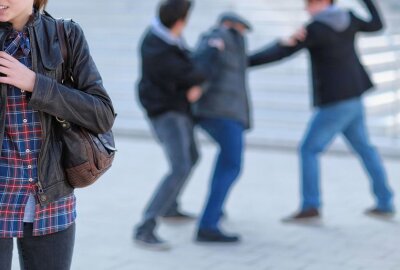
(304, 216)
(377, 213)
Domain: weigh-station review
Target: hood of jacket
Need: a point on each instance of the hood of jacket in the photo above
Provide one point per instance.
(336, 18)
(165, 34)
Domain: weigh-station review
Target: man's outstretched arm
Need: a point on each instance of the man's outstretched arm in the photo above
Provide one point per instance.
(269, 54)
(375, 23)
(281, 49)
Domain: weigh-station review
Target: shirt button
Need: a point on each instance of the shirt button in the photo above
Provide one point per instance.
(27, 151)
(31, 180)
(29, 166)
(25, 121)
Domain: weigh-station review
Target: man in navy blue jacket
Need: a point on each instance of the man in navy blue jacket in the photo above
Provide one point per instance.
(339, 81)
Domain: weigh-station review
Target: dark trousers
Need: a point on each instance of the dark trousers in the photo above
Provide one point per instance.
(228, 134)
(49, 252)
(175, 133)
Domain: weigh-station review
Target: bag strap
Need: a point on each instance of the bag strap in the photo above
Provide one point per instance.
(65, 50)
(67, 69)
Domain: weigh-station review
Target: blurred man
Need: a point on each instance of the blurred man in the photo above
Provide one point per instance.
(170, 82)
(223, 112)
(339, 81)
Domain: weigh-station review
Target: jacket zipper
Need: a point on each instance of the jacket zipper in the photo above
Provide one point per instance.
(33, 56)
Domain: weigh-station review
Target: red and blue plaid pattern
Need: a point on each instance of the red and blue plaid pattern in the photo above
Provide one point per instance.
(19, 159)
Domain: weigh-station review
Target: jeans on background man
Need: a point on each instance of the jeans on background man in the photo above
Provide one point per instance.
(175, 133)
(347, 117)
(228, 134)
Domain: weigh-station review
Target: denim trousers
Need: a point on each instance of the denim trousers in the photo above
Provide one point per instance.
(347, 118)
(175, 133)
(49, 252)
(228, 134)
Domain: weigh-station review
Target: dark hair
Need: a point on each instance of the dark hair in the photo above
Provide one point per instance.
(40, 4)
(171, 11)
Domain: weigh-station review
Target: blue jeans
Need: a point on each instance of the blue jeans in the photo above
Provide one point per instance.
(51, 252)
(228, 134)
(174, 131)
(347, 118)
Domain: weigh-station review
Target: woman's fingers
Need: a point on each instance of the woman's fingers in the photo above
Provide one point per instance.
(4, 71)
(7, 57)
(5, 80)
(14, 73)
(6, 63)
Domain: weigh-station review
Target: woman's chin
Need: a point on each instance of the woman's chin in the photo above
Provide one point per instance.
(4, 19)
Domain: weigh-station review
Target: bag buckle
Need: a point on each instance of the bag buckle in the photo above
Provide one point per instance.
(64, 123)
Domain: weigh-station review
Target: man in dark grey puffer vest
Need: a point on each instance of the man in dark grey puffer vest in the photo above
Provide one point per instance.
(223, 112)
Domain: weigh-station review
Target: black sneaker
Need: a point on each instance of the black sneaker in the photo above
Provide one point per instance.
(211, 236)
(377, 213)
(309, 215)
(150, 241)
(178, 216)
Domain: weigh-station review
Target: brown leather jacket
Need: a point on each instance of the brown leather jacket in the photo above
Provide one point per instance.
(88, 106)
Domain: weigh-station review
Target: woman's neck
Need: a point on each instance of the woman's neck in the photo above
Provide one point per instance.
(19, 22)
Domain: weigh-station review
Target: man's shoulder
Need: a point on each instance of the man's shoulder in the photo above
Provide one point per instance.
(155, 46)
(215, 32)
(149, 38)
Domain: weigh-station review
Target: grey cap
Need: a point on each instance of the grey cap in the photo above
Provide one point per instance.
(233, 17)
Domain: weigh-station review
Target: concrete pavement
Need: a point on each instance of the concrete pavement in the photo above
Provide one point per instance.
(267, 191)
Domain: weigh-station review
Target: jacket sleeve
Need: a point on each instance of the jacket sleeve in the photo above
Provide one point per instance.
(273, 53)
(88, 104)
(374, 24)
(180, 70)
(276, 51)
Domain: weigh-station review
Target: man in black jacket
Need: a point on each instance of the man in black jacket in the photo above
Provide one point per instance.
(170, 82)
(339, 81)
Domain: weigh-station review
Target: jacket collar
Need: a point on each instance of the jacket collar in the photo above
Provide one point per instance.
(43, 35)
(35, 19)
(165, 34)
(47, 42)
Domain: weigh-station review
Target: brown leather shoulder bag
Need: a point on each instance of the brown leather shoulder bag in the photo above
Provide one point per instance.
(86, 156)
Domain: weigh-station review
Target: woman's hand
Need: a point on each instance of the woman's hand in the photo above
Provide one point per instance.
(15, 73)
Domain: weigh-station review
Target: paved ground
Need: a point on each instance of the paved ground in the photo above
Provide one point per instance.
(267, 191)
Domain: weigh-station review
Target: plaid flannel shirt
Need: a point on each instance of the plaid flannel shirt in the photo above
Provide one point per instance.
(19, 160)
